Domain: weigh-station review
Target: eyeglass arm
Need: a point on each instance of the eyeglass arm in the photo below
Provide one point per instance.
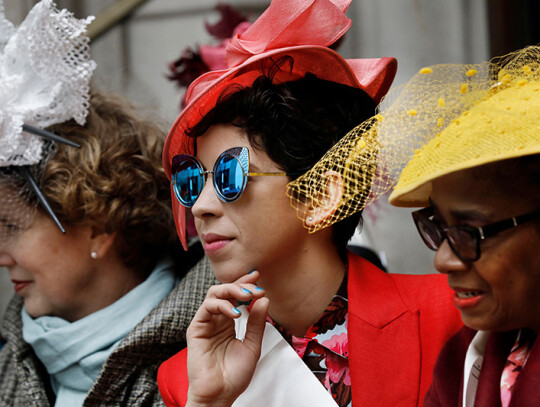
(267, 174)
(494, 228)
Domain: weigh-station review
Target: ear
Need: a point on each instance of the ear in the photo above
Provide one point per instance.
(101, 241)
(328, 202)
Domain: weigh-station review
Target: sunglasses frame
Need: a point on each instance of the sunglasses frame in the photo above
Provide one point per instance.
(477, 233)
(241, 154)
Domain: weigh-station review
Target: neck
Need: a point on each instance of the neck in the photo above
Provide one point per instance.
(300, 287)
(114, 280)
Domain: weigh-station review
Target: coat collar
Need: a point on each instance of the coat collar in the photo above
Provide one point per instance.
(368, 282)
(382, 329)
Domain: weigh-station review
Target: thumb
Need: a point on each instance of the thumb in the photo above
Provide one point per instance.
(255, 325)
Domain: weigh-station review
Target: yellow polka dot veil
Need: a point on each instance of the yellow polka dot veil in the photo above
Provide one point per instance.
(448, 117)
(471, 115)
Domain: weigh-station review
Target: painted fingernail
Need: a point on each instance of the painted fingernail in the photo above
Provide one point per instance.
(252, 271)
(246, 291)
(236, 310)
(258, 289)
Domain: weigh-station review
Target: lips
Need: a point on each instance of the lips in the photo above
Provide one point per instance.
(467, 297)
(20, 284)
(467, 294)
(214, 243)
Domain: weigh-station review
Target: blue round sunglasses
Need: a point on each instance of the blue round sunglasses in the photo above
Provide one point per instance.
(229, 176)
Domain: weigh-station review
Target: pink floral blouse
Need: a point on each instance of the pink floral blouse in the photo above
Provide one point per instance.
(324, 348)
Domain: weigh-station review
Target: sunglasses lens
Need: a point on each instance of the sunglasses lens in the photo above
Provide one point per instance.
(188, 180)
(229, 179)
(463, 242)
(430, 233)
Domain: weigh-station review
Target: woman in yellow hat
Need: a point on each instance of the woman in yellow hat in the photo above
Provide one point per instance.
(477, 177)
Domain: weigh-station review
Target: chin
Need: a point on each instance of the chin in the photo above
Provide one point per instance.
(34, 310)
(480, 324)
(227, 272)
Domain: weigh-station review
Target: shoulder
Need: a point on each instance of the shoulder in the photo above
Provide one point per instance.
(413, 289)
(376, 295)
(165, 326)
(188, 294)
(424, 289)
(432, 298)
(199, 278)
(448, 371)
(179, 307)
(172, 379)
(19, 386)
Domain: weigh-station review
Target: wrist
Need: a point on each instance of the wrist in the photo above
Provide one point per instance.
(193, 401)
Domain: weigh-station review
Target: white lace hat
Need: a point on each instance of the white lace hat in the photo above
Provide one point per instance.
(45, 71)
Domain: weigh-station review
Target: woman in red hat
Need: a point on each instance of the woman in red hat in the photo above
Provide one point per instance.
(323, 327)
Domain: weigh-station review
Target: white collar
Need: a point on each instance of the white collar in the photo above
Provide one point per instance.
(473, 366)
(281, 378)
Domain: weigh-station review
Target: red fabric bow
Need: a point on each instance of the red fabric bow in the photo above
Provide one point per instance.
(290, 23)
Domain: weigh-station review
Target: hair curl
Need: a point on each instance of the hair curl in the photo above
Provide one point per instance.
(115, 180)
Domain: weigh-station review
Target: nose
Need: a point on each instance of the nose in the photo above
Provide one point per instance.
(208, 205)
(6, 259)
(446, 260)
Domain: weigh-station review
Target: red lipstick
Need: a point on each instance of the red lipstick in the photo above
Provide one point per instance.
(467, 297)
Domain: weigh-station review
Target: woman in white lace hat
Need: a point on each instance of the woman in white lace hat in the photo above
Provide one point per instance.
(102, 291)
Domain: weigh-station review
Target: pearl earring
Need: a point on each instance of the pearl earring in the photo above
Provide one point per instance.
(93, 255)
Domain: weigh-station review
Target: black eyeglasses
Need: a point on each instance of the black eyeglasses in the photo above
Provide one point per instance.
(463, 240)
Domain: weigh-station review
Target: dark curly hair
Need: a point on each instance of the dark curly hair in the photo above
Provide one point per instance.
(295, 123)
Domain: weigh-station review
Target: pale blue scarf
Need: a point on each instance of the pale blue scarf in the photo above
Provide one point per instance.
(73, 353)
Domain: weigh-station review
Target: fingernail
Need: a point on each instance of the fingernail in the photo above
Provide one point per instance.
(252, 271)
(236, 310)
(258, 289)
(246, 291)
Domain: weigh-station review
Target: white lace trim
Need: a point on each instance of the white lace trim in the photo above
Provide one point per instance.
(45, 71)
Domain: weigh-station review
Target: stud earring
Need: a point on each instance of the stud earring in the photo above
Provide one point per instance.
(93, 255)
(310, 218)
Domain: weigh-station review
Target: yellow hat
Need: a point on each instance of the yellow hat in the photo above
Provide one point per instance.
(467, 116)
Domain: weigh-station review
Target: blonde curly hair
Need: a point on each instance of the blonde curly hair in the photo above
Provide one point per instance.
(115, 179)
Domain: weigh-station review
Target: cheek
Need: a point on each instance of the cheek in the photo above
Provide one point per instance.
(513, 272)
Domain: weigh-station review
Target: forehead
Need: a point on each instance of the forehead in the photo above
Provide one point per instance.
(16, 215)
(221, 137)
(512, 183)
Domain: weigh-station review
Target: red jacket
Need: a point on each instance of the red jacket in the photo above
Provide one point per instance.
(447, 387)
(397, 326)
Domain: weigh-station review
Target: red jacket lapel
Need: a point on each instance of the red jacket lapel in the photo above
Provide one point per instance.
(384, 342)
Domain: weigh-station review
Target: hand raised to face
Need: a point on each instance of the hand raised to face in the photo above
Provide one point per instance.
(220, 366)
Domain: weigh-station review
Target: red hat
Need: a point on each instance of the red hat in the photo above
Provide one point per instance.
(301, 29)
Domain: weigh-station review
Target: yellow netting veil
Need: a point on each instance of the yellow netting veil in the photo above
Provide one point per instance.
(354, 160)
(446, 118)
(496, 117)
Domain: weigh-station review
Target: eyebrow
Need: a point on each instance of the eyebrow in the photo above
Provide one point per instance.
(462, 215)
